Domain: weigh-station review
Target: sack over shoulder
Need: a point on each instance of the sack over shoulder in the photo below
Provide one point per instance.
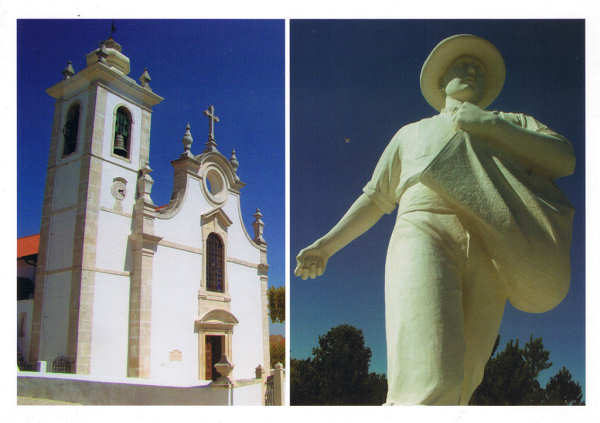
(523, 219)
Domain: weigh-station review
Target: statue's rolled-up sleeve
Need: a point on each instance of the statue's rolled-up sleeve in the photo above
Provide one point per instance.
(381, 189)
(531, 124)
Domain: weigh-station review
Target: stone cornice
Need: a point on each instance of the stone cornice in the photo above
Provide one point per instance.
(213, 296)
(184, 167)
(218, 214)
(188, 164)
(220, 315)
(242, 262)
(263, 269)
(145, 242)
(101, 73)
(86, 268)
(200, 326)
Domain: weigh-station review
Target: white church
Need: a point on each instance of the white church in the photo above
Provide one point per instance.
(126, 290)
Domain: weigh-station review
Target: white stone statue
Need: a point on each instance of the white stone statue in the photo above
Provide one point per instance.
(479, 221)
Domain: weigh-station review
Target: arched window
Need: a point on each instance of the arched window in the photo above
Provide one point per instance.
(215, 264)
(70, 130)
(122, 136)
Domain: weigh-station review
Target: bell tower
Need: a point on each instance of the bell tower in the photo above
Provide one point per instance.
(100, 141)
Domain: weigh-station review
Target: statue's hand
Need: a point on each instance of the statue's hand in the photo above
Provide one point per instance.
(474, 120)
(311, 261)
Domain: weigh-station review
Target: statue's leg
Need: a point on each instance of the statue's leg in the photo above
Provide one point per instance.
(484, 298)
(424, 315)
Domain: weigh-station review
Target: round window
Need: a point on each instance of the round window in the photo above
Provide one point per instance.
(214, 185)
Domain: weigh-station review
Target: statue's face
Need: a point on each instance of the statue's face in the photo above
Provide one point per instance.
(464, 79)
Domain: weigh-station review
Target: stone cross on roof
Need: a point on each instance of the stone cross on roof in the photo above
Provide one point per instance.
(211, 145)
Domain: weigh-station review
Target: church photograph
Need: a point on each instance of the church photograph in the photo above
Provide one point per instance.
(150, 210)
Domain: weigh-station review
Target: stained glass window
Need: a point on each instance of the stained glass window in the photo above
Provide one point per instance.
(215, 264)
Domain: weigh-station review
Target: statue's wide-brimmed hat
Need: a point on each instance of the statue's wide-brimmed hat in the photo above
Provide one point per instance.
(450, 49)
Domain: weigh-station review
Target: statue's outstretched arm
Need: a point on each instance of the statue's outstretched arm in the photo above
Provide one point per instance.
(550, 155)
(312, 260)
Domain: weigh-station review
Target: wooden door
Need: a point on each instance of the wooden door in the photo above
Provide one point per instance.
(213, 350)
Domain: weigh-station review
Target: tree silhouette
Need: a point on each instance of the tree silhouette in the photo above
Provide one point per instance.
(510, 378)
(303, 383)
(338, 372)
(562, 390)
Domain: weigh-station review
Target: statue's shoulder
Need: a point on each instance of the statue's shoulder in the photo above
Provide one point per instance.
(410, 128)
(428, 123)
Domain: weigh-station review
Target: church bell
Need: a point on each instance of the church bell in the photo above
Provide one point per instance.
(120, 147)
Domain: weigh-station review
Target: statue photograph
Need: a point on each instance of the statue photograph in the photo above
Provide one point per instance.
(479, 219)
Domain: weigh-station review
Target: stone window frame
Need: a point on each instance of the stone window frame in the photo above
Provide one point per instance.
(72, 106)
(221, 264)
(215, 184)
(216, 222)
(128, 142)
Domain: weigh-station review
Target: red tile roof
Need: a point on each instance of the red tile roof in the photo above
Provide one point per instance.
(28, 245)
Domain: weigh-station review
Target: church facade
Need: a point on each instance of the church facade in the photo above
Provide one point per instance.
(123, 287)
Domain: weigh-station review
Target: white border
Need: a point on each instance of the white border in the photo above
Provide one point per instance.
(301, 9)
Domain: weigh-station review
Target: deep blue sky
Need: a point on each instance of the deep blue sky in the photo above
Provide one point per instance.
(237, 65)
(359, 79)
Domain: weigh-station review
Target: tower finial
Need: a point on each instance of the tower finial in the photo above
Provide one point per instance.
(145, 79)
(68, 70)
(187, 141)
(234, 161)
(110, 41)
(145, 183)
(101, 53)
(259, 226)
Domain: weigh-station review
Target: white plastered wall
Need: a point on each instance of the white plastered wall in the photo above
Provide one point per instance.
(184, 227)
(239, 245)
(112, 242)
(175, 284)
(60, 256)
(244, 287)
(55, 316)
(66, 185)
(110, 327)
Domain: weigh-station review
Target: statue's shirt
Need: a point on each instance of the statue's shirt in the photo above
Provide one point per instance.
(522, 218)
(409, 153)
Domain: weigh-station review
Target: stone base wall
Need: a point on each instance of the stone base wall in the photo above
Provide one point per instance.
(82, 389)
